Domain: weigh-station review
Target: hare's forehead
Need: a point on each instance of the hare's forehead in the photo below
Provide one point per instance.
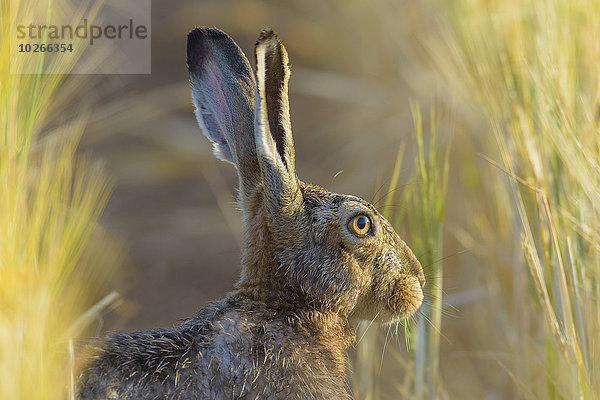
(320, 202)
(340, 206)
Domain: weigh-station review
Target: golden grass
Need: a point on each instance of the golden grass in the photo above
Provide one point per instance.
(53, 259)
(532, 68)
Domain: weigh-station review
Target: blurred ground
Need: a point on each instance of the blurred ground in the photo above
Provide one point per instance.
(354, 68)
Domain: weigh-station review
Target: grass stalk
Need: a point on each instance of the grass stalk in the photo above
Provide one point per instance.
(431, 166)
(424, 196)
(54, 261)
(532, 69)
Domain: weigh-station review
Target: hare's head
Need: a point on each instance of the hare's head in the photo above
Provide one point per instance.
(334, 252)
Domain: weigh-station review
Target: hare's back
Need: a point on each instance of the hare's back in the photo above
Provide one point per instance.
(186, 361)
(233, 348)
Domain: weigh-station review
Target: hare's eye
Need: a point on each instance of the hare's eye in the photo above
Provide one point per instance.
(360, 225)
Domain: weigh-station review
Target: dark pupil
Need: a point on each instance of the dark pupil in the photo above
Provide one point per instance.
(361, 223)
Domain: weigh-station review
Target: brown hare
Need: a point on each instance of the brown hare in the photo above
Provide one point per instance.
(313, 262)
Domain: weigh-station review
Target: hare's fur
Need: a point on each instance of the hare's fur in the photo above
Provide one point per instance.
(306, 278)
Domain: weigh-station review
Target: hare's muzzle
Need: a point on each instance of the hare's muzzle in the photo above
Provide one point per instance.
(407, 290)
(407, 296)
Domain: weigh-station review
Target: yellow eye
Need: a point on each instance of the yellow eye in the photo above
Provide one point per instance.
(360, 225)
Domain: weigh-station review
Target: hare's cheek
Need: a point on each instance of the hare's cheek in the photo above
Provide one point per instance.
(406, 297)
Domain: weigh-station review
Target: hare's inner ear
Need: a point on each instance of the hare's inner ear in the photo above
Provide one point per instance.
(223, 90)
(274, 143)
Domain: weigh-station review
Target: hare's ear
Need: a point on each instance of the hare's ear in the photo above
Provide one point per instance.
(223, 89)
(272, 129)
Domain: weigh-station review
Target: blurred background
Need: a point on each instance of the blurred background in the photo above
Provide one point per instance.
(356, 65)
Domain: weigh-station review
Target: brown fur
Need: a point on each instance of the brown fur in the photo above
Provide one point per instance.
(306, 277)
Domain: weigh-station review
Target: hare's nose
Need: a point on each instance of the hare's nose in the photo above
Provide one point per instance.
(421, 277)
(419, 272)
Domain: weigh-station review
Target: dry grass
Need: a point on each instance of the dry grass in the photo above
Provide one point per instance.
(53, 259)
(532, 68)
